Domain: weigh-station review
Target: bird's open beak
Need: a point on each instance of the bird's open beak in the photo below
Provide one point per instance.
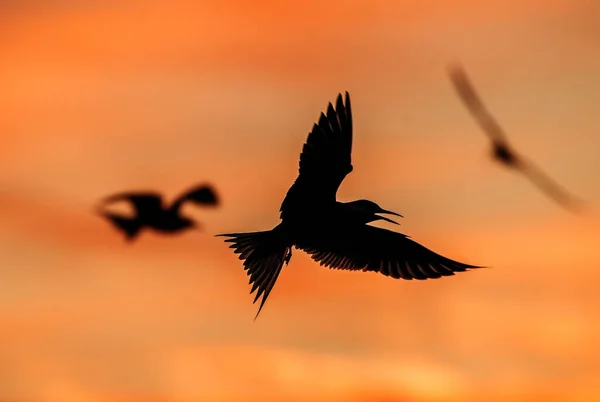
(383, 211)
(383, 218)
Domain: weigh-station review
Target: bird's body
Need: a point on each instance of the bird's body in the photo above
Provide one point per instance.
(504, 155)
(501, 149)
(335, 234)
(152, 214)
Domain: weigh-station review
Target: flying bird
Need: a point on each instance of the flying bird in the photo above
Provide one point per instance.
(151, 212)
(335, 234)
(501, 149)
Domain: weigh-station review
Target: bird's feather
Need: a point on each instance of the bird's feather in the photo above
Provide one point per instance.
(550, 187)
(263, 254)
(369, 248)
(473, 103)
(325, 159)
(129, 226)
(199, 195)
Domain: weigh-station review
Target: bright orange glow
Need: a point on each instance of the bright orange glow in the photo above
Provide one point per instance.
(116, 95)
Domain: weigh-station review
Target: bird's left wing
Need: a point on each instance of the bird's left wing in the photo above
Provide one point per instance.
(325, 159)
(369, 248)
(473, 103)
(129, 226)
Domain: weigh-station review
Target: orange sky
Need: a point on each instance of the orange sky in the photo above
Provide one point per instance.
(112, 95)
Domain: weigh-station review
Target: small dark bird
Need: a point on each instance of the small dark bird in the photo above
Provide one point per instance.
(333, 233)
(501, 150)
(150, 211)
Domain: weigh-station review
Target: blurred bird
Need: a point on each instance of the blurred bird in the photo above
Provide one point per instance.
(501, 150)
(150, 211)
(333, 233)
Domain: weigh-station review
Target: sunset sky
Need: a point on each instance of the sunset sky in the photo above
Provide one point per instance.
(103, 96)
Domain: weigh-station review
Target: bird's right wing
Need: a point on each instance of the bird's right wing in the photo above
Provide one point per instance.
(325, 159)
(143, 202)
(550, 187)
(369, 248)
(471, 100)
(129, 226)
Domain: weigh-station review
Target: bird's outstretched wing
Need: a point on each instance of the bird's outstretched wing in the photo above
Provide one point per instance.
(145, 203)
(325, 159)
(369, 248)
(129, 226)
(203, 194)
(550, 187)
(473, 103)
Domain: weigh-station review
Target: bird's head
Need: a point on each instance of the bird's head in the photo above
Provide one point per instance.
(369, 210)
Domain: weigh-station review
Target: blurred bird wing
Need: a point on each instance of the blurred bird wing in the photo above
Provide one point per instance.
(473, 103)
(369, 248)
(550, 187)
(203, 195)
(143, 202)
(325, 159)
(129, 226)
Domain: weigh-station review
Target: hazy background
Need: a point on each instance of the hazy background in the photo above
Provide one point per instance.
(103, 96)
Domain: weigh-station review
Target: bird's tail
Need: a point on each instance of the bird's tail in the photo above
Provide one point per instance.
(263, 254)
(130, 226)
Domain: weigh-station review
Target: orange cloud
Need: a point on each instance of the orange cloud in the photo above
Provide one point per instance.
(107, 97)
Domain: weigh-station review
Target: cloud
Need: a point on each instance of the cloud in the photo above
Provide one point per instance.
(115, 97)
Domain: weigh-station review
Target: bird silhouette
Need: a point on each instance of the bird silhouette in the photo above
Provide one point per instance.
(501, 150)
(151, 213)
(333, 233)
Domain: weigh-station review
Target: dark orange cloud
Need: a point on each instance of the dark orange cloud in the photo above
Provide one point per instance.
(107, 97)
